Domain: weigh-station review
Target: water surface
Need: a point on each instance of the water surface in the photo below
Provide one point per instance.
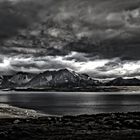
(73, 103)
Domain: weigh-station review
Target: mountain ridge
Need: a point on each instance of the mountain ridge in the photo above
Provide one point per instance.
(56, 78)
(62, 79)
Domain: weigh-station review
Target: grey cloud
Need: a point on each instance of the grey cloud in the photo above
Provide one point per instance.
(56, 52)
(14, 17)
(91, 12)
(112, 49)
(93, 29)
(78, 57)
(39, 64)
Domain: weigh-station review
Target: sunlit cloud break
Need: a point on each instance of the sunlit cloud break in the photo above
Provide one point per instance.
(98, 68)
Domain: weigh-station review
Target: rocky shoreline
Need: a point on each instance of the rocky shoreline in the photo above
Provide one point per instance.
(109, 126)
(7, 111)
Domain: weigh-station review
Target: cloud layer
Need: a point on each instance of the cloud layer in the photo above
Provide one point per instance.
(99, 37)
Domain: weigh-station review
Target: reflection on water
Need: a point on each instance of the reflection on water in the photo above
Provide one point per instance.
(74, 103)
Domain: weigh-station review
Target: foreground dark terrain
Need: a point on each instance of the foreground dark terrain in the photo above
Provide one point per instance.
(103, 126)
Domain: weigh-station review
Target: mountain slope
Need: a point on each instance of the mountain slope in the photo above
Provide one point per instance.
(61, 78)
(18, 79)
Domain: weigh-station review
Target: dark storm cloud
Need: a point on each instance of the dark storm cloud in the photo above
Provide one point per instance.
(125, 49)
(84, 35)
(16, 16)
(112, 26)
(56, 52)
(9, 21)
(90, 18)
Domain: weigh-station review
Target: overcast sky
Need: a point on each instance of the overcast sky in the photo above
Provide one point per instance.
(112, 26)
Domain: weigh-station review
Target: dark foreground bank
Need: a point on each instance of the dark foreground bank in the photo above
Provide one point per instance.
(119, 126)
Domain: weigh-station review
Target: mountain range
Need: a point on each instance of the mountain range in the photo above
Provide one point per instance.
(63, 79)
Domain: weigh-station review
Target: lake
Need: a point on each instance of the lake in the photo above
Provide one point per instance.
(73, 103)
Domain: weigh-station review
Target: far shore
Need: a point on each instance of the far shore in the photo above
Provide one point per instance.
(86, 89)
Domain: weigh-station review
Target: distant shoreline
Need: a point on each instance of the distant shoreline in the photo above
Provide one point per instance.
(88, 89)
